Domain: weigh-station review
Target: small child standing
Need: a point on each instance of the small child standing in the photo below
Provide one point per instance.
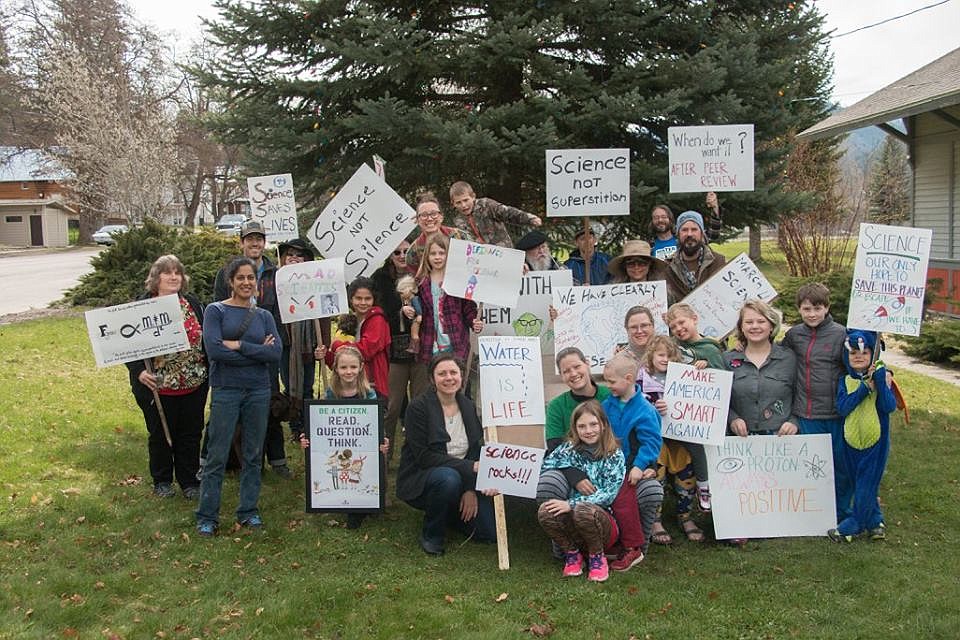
(674, 462)
(865, 401)
(407, 288)
(701, 352)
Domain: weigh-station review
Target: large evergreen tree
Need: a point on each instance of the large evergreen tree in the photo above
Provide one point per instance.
(889, 192)
(478, 90)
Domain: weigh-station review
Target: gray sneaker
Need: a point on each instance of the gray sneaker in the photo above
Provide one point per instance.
(164, 490)
(283, 471)
(192, 493)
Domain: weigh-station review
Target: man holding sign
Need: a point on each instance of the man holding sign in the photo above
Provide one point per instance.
(694, 262)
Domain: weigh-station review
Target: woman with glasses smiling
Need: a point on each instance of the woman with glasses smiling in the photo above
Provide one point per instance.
(430, 221)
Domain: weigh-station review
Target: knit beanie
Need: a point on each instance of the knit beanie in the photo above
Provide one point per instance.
(688, 216)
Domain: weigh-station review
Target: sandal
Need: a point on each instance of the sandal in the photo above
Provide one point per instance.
(692, 531)
(659, 535)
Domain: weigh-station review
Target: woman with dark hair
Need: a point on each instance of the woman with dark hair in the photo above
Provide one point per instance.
(638, 321)
(243, 345)
(180, 381)
(440, 459)
(636, 263)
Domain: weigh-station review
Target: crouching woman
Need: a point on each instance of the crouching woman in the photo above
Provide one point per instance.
(582, 524)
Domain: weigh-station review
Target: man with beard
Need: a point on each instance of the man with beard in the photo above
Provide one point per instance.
(537, 247)
(694, 262)
(661, 232)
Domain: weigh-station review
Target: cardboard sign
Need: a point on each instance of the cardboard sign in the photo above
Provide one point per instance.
(483, 272)
(343, 463)
(772, 487)
(273, 205)
(588, 182)
(511, 469)
(531, 315)
(697, 404)
(137, 330)
(511, 380)
(363, 224)
(889, 279)
(314, 289)
(711, 158)
(591, 318)
(718, 300)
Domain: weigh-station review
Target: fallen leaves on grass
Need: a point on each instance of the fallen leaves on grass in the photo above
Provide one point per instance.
(449, 599)
(541, 630)
(501, 597)
(70, 491)
(130, 481)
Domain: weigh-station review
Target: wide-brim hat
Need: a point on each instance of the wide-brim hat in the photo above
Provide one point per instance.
(632, 249)
(531, 240)
(297, 244)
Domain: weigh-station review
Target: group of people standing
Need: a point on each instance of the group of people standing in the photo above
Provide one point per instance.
(406, 341)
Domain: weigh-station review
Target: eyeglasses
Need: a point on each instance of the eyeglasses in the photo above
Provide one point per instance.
(430, 214)
(636, 262)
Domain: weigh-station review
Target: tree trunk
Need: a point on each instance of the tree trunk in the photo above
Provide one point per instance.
(191, 216)
(754, 252)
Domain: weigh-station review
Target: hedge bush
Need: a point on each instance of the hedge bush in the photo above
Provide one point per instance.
(839, 283)
(939, 341)
(119, 271)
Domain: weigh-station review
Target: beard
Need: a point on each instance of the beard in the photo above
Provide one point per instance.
(541, 263)
(661, 227)
(691, 247)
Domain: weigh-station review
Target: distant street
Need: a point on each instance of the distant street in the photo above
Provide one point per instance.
(34, 279)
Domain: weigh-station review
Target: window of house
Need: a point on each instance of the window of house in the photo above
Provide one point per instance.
(14, 218)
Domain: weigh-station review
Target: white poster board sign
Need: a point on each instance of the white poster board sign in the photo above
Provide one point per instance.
(511, 380)
(698, 401)
(510, 468)
(588, 182)
(136, 330)
(772, 487)
(484, 272)
(273, 205)
(889, 279)
(343, 462)
(363, 224)
(314, 289)
(711, 158)
(591, 318)
(531, 315)
(718, 300)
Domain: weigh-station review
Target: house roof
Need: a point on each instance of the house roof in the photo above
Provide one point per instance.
(29, 165)
(933, 86)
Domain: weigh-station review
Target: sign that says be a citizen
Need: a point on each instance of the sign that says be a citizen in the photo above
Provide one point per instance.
(272, 204)
(588, 182)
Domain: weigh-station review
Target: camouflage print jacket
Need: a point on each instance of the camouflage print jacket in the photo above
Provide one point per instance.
(487, 223)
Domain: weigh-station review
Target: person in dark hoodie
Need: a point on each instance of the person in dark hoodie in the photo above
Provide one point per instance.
(587, 250)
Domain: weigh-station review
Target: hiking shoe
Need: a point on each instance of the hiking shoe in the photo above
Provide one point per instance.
(207, 529)
(191, 493)
(283, 471)
(836, 536)
(627, 560)
(354, 520)
(164, 490)
(879, 532)
(573, 564)
(254, 523)
(599, 570)
(703, 498)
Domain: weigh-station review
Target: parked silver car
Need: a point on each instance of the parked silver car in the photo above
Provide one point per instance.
(230, 224)
(106, 233)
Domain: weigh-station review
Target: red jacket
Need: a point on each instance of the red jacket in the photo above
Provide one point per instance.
(373, 341)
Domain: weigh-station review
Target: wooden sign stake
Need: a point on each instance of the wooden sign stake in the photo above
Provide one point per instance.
(156, 401)
(500, 515)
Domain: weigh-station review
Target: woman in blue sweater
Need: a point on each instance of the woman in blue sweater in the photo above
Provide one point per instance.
(241, 342)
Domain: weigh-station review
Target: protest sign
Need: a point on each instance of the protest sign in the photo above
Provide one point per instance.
(711, 158)
(511, 380)
(483, 272)
(772, 487)
(363, 224)
(718, 300)
(588, 182)
(531, 315)
(698, 401)
(314, 289)
(889, 279)
(137, 330)
(511, 469)
(343, 462)
(273, 205)
(591, 318)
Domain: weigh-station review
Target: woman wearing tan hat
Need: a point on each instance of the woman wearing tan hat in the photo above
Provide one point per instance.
(636, 264)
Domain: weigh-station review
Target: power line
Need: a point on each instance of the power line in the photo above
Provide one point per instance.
(876, 24)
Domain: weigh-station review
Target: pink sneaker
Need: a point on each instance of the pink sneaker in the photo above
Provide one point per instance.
(627, 560)
(599, 571)
(703, 498)
(572, 564)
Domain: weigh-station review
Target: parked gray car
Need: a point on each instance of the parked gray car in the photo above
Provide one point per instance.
(106, 233)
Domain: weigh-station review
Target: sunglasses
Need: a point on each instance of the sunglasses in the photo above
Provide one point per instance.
(398, 252)
(637, 262)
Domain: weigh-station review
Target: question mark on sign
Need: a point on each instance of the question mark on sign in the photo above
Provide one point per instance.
(743, 136)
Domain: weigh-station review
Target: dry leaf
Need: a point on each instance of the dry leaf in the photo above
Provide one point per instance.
(70, 491)
(632, 590)
(81, 519)
(713, 595)
(501, 597)
(70, 632)
(161, 634)
(259, 610)
(98, 585)
(449, 599)
(540, 630)
(185, 537)
(295, 565)
(370, 586)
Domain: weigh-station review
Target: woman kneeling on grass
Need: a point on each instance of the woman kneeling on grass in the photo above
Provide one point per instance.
(582, 523)
(242, 342)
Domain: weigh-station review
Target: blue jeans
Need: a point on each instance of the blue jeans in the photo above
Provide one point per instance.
(440, 501)
(227, 406)
(843, 484)
(309, 377)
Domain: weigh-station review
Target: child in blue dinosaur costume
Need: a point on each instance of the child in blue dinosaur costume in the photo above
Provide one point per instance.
(865, 401)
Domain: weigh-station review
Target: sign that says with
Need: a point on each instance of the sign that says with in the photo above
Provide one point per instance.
(711, 158)
(273, 205)
(531, 315)
(588, 182)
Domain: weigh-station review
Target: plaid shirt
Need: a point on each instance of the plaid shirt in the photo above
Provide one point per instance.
(457, 316)
(489, 219)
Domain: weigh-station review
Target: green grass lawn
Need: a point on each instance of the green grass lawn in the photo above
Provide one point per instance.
(87, 552)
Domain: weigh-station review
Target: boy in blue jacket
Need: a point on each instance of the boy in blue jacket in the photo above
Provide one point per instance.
(865, 401)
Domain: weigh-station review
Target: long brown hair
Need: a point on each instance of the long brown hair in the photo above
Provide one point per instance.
(607, 445)
(434, 238)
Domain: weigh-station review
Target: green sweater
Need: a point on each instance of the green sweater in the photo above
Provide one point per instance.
(702, 349)
(561, 408)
